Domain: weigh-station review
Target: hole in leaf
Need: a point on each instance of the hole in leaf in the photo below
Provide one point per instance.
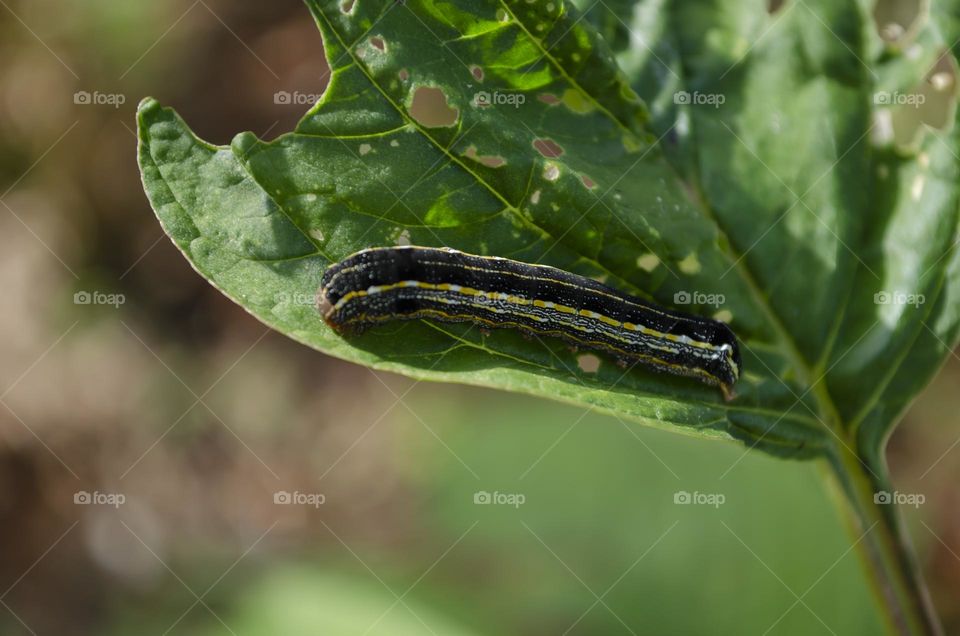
(774, 5)
(724, 315)
(429, 108)
(690, 265)
(491, 161)
(548, 148)
(549, 98)
(932, 102)
(378, 43)
(898, 21)
(347, 6)
(403, 74)
(576, 101)
(588, 363)
(477, 72)
(916, 187)
(648, 262)
(588, 183)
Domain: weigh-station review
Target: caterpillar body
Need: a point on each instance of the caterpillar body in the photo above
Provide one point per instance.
(406, 283)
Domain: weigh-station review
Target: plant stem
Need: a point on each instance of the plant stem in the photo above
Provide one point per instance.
(884, 545)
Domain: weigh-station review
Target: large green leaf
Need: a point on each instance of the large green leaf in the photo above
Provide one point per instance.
(778, 199)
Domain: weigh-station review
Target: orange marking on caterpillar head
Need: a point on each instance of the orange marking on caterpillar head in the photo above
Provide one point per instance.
(325, 307)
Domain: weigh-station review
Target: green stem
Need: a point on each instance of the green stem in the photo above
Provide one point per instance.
(884, 546)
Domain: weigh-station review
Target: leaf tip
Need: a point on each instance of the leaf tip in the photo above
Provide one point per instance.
(147, 111)
(146, 106)
(244, 143)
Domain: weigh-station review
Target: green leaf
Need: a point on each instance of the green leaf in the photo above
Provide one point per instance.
(765, 189)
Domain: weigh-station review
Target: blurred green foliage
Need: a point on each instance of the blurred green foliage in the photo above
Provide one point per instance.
(599, 519)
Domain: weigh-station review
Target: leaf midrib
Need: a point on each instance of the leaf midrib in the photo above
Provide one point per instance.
(846, 432)
(789, 348)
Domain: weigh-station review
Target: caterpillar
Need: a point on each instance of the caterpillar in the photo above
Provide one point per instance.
(406, 283)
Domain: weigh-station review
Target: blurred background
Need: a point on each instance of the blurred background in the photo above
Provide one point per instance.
(168, 466)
